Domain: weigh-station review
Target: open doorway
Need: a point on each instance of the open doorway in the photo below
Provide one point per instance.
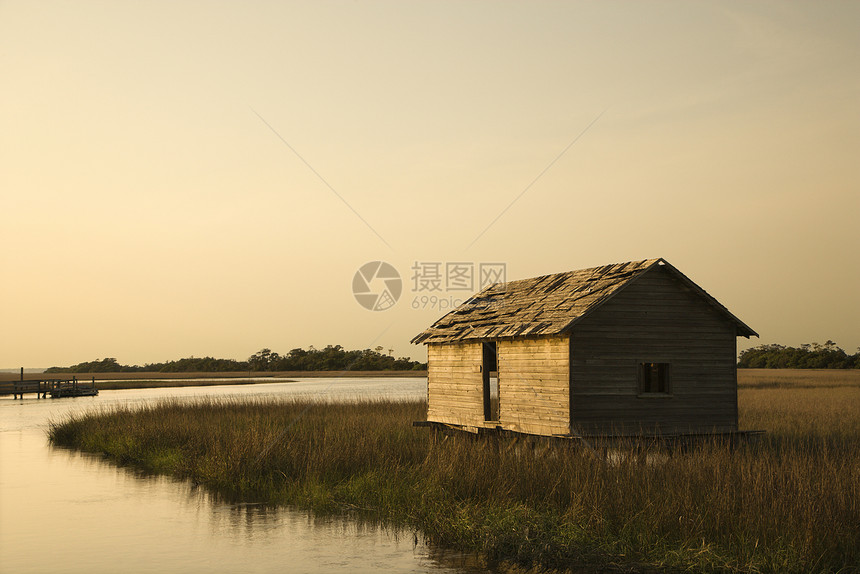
(490, 372)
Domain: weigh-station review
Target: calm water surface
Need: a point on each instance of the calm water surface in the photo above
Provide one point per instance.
(62, 511)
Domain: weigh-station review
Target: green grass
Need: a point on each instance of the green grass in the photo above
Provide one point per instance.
(786, 504)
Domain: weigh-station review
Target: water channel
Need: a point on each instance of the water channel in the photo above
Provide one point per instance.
(69, 512)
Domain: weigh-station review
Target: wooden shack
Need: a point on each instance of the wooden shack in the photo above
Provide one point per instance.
(617, 350)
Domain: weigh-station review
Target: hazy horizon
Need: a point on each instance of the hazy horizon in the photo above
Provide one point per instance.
(202, 179)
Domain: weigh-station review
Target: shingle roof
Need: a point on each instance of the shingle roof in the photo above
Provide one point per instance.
(547, 305)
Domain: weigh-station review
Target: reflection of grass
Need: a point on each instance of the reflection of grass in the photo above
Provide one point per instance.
(791, 502)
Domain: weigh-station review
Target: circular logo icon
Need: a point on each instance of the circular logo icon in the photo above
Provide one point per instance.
(377, 285)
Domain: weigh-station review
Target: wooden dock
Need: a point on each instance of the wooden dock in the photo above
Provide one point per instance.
(44, 387)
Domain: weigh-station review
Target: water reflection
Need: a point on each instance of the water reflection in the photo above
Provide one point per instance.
(64, 511)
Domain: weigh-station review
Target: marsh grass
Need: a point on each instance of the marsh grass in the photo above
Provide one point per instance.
(788, 503)
(798, 378)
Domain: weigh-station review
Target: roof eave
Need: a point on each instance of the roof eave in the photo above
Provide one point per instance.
(742, 329)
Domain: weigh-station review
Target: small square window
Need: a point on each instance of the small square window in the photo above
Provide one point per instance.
(654, 379)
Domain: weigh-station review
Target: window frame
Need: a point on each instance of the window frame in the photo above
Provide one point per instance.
(645, 372)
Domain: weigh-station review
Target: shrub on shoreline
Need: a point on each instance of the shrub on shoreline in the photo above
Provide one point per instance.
(807, 356)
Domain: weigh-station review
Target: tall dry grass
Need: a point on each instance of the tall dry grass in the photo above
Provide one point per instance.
(788, 503)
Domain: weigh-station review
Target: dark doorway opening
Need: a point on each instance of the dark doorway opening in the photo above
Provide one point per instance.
(490, 372)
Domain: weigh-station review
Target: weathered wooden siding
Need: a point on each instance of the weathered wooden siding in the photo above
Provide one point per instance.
(534, 392)
(454, 384)
(654, 319)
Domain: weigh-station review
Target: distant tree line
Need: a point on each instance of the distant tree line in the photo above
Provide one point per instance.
(331, 358)
(807, 356)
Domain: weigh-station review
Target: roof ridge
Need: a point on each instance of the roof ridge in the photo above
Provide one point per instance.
(532, 305)
(537, 278)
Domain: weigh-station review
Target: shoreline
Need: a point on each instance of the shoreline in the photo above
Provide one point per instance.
(197, 378)
(747, 378)
(176, 383)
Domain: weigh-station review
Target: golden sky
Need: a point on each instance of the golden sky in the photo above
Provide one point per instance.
(205, 178)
